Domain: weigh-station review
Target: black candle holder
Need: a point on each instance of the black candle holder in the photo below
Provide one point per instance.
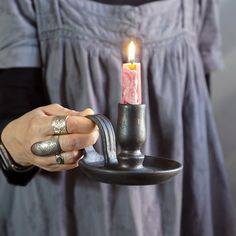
(131, 135)
(130, 166)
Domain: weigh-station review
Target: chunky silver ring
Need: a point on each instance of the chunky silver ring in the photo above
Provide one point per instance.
(59, 125)
(47, 148)
(59, 159)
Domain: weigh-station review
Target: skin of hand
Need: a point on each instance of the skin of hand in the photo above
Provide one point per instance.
(19, 135)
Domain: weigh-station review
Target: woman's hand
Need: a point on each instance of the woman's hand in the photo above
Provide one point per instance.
(35, 126)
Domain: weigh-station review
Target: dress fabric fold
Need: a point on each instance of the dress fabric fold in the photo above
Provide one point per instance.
(81, 53)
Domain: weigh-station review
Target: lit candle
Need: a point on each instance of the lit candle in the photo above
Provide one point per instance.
(131, 79)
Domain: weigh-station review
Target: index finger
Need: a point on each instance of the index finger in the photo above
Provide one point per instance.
(74, 124)
(79, 124)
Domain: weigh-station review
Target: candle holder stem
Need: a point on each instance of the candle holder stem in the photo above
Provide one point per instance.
(131, 135)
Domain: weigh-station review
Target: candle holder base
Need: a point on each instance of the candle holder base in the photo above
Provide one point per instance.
(113, 169)
(155, 170)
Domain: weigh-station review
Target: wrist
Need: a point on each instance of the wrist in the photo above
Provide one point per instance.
(5, 143)
(8, 163)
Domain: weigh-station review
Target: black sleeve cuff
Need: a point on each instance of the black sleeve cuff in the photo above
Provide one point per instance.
(21, 179)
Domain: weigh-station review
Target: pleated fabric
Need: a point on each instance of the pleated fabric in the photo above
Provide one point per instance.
(81, 45)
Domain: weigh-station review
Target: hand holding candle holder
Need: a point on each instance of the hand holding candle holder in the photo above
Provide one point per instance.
(130, 166)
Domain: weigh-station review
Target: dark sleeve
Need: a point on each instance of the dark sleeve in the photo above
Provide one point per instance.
(21, 90)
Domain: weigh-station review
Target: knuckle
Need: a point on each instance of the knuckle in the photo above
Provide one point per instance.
(70, 124)
(73, 141)
(37, 111)
(89, 111)
(60, 107)
(56, 105)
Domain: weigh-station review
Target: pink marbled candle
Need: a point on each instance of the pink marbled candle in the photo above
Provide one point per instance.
(131, 84)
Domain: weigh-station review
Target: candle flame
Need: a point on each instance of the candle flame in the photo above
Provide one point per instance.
(131, 52)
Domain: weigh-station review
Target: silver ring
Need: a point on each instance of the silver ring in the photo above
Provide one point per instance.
(47, 148)
(59, 159)
(59, 125)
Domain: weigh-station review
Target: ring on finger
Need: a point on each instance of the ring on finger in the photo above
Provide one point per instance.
(47, 148)
(59, 159)
(59, 125)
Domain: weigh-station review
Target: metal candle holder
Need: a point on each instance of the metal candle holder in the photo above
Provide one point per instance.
(131, 135)
(130, 166)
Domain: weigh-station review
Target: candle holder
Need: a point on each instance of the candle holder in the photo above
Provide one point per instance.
(131, 135)
(130, 166)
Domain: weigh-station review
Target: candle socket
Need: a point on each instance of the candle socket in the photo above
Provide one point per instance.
(131, 135)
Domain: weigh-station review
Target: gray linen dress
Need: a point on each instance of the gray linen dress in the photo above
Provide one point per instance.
(80, 51)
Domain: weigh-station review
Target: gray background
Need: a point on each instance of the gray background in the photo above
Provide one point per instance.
(224, 90)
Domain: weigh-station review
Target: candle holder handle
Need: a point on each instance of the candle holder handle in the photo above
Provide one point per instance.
(108, 138)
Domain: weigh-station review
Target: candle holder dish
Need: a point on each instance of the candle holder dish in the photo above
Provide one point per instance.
(130, 166)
